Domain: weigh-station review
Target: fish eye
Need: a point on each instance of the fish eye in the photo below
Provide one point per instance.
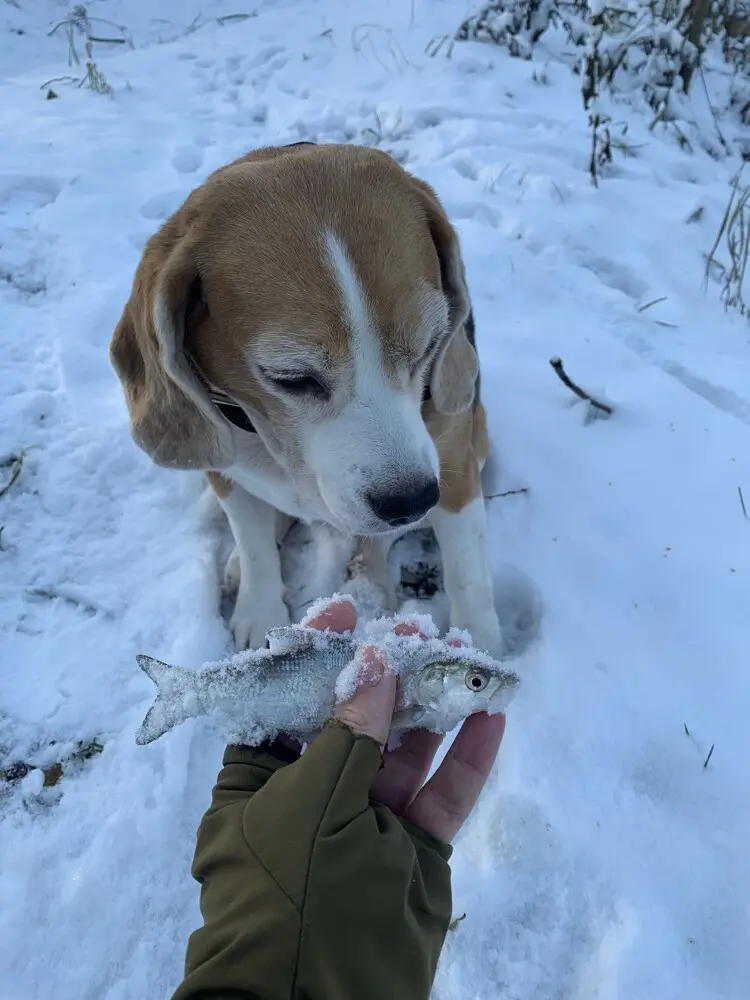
(477, 680)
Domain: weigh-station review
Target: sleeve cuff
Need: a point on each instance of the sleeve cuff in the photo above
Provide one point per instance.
(417, 833)
(270, 754)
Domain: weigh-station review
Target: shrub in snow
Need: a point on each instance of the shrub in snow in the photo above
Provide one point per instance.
(648, 46)
(655, 50)
(519, 24)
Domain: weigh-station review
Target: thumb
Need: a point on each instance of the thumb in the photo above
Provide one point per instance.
(369, 711)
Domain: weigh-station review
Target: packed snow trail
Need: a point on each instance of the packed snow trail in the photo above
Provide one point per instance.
(604, 861)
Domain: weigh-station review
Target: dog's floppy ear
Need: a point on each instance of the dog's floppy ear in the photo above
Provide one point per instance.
(171, 416)
(454, 371)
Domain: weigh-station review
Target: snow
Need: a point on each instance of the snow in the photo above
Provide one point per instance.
(604, 859)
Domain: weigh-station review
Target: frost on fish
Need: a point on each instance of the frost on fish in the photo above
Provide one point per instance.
(293, 686)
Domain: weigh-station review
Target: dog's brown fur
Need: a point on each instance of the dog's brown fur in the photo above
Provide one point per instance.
(241, 281)
(244, 238)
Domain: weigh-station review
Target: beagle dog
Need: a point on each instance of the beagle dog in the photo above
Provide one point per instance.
(301, 331)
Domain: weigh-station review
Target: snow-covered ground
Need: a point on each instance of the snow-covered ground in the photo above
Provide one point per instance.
(605, 861)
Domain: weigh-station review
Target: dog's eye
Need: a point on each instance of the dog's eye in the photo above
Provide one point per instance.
(298, 385)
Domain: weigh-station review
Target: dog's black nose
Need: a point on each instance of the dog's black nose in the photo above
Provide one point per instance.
(400, 507)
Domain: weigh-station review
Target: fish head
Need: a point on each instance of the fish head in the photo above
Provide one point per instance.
(450, 688)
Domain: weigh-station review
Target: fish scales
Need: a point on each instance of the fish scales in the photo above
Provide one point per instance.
(293, 686)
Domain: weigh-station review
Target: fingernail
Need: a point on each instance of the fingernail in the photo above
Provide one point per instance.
(371, 667)
(408, 628)
(325, 605)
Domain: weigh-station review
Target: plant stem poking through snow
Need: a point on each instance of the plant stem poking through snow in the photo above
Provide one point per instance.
(742, 503)
(735, 227)
(581, 393)
(16, 464)
(17, 770)
(710, 754)
(601, 144)
(78, 22)
(507, 493)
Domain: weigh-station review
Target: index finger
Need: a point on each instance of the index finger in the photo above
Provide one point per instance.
(443, 805)
(337, 615)
(405, 768)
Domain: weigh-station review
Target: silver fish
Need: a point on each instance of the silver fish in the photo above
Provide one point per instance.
(291, 687)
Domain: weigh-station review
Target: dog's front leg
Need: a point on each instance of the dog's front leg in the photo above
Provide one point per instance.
(260, 604)
(467, 578)
(373, 553)
(324, 566)
(460, 525)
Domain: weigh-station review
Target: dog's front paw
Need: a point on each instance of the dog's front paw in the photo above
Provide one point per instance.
(253, 619)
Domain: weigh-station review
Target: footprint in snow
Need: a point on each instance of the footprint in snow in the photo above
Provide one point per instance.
(519, 608)
(24, 195)
(478, 212)
(531, 905)
(261, 58)
(187, 159)
(615, 276)
(162, 205)
(465, 168)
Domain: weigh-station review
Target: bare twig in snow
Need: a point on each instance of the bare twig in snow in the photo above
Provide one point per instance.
(653, 302)
(567, 381)
(742, 503)
(229, 18)
(439, 42)
(15, 472)
(710, 752)
(507, 493)
(16, 464)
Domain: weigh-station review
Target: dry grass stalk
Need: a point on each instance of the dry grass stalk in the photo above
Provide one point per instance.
(735, 230)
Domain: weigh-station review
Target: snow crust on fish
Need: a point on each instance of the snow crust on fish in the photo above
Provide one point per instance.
(399, 651)
(294, 685)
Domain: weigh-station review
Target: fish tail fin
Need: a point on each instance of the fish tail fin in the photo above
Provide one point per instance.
(155, 670)
(164, 714)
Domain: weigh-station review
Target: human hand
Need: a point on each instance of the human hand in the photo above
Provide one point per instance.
(441, 806)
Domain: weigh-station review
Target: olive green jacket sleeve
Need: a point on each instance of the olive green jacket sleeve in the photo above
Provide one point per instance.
(309, 891)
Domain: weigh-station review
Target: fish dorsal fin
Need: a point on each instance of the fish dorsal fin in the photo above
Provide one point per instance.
(289, 639)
